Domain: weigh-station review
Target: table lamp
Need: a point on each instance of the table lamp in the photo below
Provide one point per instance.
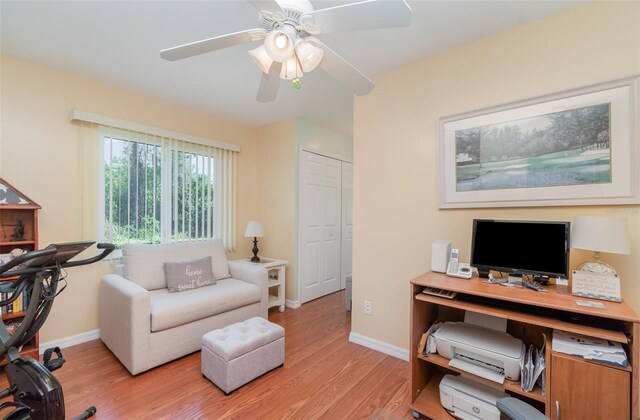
(254, 230)
(600, 234)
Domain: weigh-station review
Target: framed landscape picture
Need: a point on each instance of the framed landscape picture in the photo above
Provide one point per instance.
(572, 148)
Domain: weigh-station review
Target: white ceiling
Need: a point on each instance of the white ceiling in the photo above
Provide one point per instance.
(117, 42)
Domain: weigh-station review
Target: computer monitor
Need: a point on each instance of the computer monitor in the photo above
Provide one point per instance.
(521, 247)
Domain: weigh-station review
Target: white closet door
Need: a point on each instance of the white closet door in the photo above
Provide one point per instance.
(332, 225)
(347, 222)
(319, 226)
(310, 226)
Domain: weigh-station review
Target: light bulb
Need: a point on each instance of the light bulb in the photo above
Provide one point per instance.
(279, 45)
(281, 41)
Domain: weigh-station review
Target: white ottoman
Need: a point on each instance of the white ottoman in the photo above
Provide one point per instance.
(239, 353)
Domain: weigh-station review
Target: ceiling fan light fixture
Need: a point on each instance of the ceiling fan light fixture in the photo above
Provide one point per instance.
(310, 53)
(261, 58)
(291, 69)
(279, 45)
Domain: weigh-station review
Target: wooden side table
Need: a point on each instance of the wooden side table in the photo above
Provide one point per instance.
(276, 271)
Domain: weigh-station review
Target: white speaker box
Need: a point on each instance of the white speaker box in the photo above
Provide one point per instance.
(440, 253)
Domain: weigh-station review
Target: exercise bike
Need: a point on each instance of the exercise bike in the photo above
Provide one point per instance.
(36, 393)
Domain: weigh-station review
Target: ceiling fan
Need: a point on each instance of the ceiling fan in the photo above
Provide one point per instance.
(290, 48)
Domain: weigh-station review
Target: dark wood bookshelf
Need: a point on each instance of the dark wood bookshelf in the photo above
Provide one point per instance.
(18, 230)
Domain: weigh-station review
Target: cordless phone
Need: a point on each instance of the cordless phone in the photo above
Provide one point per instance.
(457, 269)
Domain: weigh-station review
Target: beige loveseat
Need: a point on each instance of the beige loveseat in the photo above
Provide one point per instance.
(145, 325)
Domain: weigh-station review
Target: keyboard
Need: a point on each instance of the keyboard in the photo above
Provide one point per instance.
(449, 294)
(477, 370)
(572, 317)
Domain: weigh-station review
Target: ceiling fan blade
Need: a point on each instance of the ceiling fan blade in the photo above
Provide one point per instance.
(364, 15)
(269, 84)
(212, 44)
(345, 73)
(270, 6)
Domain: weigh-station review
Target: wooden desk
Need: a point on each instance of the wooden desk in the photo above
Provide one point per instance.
(580, 389)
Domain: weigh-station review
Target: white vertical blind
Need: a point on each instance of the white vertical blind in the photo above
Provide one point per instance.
(226, 204)
(160, 189)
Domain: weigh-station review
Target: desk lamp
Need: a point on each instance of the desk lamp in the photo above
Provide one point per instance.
(600, 234)
(255, 230)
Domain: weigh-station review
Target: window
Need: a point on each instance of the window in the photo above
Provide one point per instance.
(148, 184)
(157, 190)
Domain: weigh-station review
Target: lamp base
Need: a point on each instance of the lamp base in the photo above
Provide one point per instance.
(596, 267)
(255, 250)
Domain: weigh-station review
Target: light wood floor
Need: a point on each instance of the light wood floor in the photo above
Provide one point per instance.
(324, 376)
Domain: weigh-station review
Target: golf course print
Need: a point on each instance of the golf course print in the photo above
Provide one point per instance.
(564, 148)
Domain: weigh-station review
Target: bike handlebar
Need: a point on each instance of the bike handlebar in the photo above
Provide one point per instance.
(49, 252)
(108, 249)
(24, 258)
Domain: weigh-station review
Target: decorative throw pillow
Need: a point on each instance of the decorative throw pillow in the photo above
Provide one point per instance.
(187, 275)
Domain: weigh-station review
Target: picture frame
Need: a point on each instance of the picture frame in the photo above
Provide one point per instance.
(604, 286)
(578, 147)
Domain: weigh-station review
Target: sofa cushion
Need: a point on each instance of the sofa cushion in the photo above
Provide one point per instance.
(144, 263)
(170, 310)
(187, 275)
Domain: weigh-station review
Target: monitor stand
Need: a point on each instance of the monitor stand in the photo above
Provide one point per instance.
(515, 278)
(544, 280)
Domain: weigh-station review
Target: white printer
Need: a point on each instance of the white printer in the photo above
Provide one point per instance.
(469, 400)
(488, 353)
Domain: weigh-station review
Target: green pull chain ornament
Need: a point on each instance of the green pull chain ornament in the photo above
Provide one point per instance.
(295, 83)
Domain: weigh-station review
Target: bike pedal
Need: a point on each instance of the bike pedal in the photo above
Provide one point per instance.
(53, 364)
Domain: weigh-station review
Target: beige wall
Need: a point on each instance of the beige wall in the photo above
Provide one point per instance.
(276, 193)
(40, 155)
(395, 147)
(278, 149)
(324, 140)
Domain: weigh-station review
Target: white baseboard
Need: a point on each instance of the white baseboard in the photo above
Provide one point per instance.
(380, 346)
(71, 340)
(293, 304)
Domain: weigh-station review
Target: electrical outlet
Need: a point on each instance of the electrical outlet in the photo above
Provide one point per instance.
(367, 307)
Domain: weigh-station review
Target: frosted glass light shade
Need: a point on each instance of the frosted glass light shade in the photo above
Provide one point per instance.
(291, 69)
(310, 53)
(279, 45)
(601, 234)
(261, 58)
(254, 230)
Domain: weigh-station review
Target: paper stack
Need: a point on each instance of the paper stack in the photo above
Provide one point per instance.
(589, 347)
(532, 367)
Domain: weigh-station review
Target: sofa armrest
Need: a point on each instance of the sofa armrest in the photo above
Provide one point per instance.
(255, 274)
(125, 321)
(119, 270)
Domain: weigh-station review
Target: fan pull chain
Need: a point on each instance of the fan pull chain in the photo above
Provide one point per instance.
(295, 83)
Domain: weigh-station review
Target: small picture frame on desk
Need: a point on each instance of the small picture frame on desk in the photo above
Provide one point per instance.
(604, 286)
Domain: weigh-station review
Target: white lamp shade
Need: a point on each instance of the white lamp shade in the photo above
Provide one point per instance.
(310, 53)
(601, 234)
(254, 230)
(291, 69)
(279, 45)
(261, 58)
